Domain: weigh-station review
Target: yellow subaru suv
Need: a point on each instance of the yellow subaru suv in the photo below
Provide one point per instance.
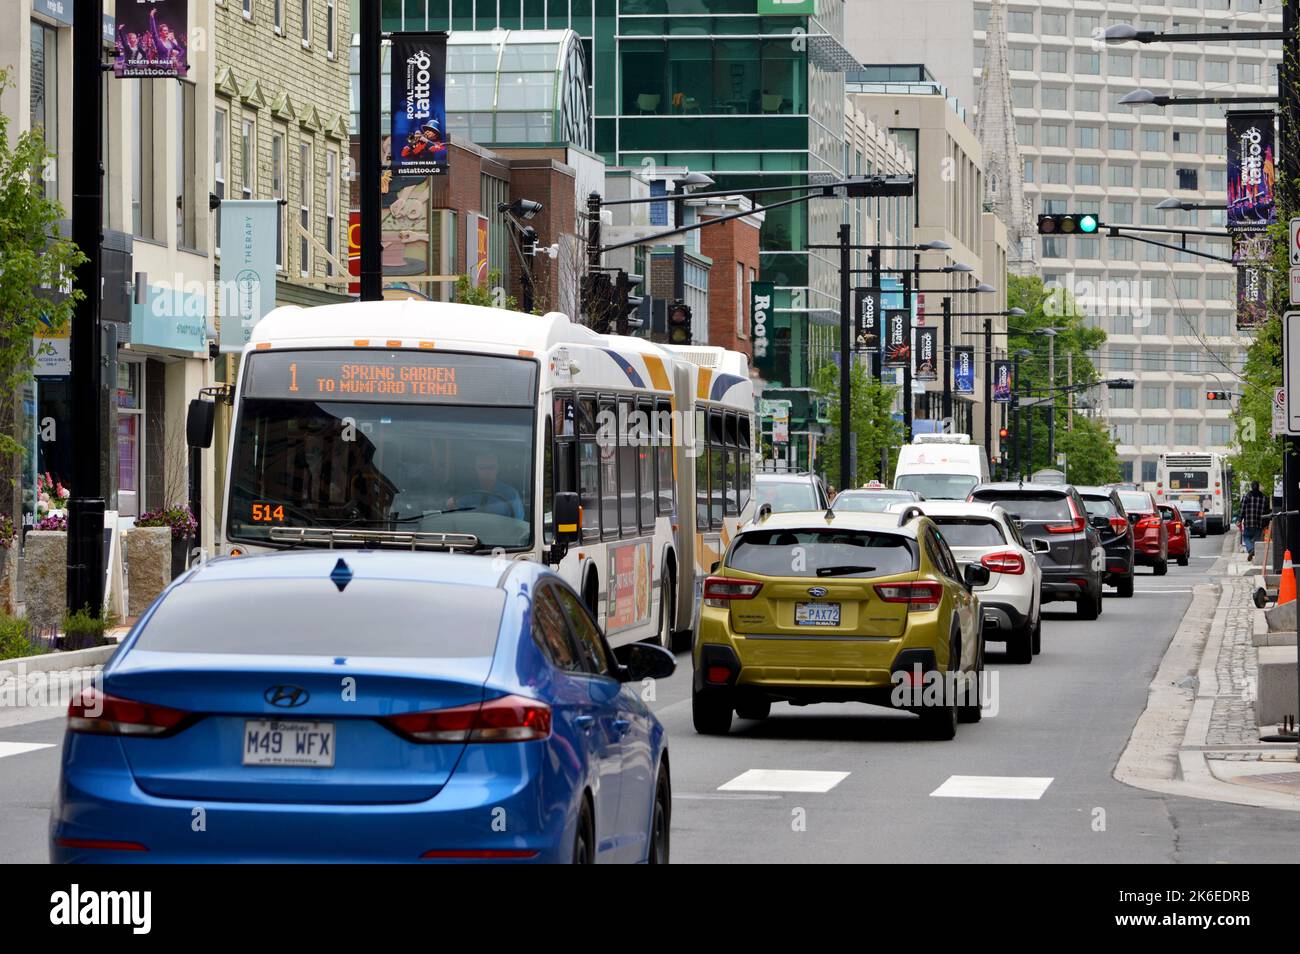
(838, 607)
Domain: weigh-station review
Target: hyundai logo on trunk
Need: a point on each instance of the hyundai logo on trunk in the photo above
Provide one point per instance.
(286, 697)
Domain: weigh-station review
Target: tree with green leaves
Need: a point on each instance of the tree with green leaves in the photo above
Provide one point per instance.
(36, 269)
(491, 296)
(1090, 452)
(871, 418)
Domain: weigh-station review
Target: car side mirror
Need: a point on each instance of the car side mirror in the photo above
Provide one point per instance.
(646, 661)
(975, 575)
(1101, 523)
(200, 422)
(713, 568)
(567, 516)
(1038, 545)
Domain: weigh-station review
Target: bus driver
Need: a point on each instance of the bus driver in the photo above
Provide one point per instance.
(491, 495)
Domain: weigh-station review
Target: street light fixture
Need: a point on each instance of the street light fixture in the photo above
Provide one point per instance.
(1124, 33)
(1144, 97)
(1173, 202)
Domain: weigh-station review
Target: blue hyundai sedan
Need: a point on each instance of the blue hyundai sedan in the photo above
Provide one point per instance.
(325, 706)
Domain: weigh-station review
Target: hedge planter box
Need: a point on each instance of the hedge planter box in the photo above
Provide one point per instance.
(149, 566)
(46, 577)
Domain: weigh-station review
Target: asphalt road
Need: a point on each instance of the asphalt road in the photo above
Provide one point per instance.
(882, 793)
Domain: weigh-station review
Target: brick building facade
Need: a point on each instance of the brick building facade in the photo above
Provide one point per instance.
(733, 247)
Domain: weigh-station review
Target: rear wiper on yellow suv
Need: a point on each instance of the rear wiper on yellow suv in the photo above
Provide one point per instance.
(841, 570)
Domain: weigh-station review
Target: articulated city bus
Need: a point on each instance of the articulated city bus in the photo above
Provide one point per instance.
(426, 425)
(1201, 477)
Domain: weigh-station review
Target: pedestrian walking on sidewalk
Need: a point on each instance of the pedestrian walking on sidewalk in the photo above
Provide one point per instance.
(1254, 514)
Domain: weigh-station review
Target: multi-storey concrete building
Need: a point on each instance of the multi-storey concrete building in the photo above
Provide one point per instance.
(1169, 316)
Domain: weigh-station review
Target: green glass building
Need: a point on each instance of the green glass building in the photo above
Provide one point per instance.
(750, 92)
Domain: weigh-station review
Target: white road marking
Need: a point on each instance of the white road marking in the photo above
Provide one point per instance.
(782, 780)
(1162, 591)
(715, 797)
(18, 748)
(992, 786)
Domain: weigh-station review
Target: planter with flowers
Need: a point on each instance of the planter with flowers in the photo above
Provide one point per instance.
(183, 527)
(51, 497)
(45, 571)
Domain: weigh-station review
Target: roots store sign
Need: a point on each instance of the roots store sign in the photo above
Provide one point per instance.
(761, 300)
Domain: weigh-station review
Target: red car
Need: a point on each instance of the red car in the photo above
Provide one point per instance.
(1180, 541)
(1150, 532)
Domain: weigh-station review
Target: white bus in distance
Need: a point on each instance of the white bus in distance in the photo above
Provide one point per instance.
(426, 425)
(1200, 477)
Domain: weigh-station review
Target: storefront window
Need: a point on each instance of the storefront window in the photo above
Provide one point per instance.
(130, 415)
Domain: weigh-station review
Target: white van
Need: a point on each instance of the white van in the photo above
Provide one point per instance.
(941, 466)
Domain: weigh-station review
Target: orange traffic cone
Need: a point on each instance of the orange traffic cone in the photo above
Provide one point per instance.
(1286, 587)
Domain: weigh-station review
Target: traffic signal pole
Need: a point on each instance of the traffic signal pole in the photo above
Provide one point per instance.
(369, 91)
(1289, 120)
(846, 356)
(85, 558)
(988, 388)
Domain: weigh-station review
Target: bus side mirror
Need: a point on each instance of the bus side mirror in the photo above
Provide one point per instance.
(568, 517)
(200, 422)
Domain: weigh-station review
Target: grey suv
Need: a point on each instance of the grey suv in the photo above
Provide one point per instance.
(787, 492)
(1074, 564)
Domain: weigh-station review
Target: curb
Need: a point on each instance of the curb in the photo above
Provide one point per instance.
(1166, 750)
(57, 662)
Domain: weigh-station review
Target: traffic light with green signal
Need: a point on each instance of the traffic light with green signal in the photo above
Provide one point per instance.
(1069, 223)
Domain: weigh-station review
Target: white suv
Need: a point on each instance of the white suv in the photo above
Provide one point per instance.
(1010, 602)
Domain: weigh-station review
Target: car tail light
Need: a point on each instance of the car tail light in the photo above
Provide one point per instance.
(720, 590)
(1149, 522)
(717, 675)
(919, 597)
(507, 719)
(1118, 525)
(99, 713)
(1004, 561)
(1076, 524)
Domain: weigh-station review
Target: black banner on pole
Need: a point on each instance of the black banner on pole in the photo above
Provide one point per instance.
(1252, 169)
(898, 350)
(418, 103)
(927, 346)
(151, 39)
(867, 310)
(963, 370)
(1002, 382)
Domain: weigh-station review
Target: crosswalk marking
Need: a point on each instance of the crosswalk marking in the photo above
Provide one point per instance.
(783, 780)
(18, 748)
(992, 786)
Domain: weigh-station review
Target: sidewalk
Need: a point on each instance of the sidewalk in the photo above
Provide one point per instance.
(1198, 736)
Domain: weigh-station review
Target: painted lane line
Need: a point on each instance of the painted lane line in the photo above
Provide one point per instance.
(992, 786)
(1162, 591)
(783, 780)
(716, 797)
(18, 748)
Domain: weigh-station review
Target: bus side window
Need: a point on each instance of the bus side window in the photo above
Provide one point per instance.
(588, 469)
(644, 449)
(663, 425)
(717, 470)
(733, 465)
(548, 483)
(746, 460)
(701, 471)
(607, 444)
(627, 470)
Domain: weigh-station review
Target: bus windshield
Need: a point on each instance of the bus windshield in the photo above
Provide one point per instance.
(432, 456)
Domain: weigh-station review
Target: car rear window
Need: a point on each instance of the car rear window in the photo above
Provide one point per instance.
(869, 503)
(818, 552)
(1029, 505)
(937, 486)
(970, 532)
(1136, 501)
(788, 496)
(1105, 507)
(311, 617)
